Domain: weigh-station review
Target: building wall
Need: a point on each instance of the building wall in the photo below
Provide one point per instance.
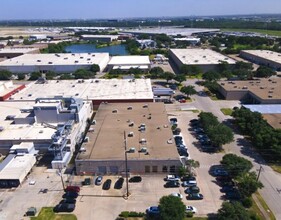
(96, 103)
(233, 95)
(134, 166)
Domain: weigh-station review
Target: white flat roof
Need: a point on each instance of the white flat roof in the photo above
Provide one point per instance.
(92, 89)
(144, 67)
(18, 167)
(129, 60)
(266, 54)
(18, 50)
(56, 59)
(100, 36)
(200, 56)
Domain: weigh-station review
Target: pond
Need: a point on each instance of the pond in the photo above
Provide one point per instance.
(91, 48)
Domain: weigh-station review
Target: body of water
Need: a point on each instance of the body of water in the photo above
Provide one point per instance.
(91, 48)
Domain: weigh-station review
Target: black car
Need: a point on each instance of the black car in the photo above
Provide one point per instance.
(64, 207)
(119, 183)
(172, 184)
(106, 185)
(188, 178)
(194, 196)
(70, 195)
(135, 179)
(183, 152)
(68, 200)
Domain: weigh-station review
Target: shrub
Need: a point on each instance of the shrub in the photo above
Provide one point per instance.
(247, 202)
(189, 214)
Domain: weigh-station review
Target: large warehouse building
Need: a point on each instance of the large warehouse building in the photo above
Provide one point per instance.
(95, 90)
(264, 57)
(59, 63)
(11, 52)
(127, 62)
(263, 91)
(205, 59)
(140, 130)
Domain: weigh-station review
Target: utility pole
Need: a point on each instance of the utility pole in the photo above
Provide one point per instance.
(126, 165)
(260, 169)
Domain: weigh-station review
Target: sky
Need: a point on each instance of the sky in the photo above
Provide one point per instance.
(93, 9)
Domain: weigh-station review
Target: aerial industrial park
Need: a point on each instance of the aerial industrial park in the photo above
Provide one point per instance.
(147, 118)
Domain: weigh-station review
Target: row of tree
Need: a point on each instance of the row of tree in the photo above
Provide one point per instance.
(218, 133)
(265, 138)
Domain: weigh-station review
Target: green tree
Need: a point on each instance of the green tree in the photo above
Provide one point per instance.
(171, 208)
(21, 76)
(50, 75)
(211, 75)
(95, 68)
(167, 76)
(264, 71)
(243, 70)
(83, 74)
(247, 184)
(232, 211)
(188, 90)
(180, 78)
(220, 134)
(66, 76)
(34, 76)
(236, 165)
(5, 75)
(156, 72)
(185, 69)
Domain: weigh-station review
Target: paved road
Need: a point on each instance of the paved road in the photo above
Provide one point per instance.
(270, 179)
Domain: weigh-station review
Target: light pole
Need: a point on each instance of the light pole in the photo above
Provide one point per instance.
(126, 165)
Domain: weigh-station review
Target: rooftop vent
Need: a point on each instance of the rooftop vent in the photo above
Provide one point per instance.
(131, 150)
(129, 108)
(114, 111)
(145, 106)
(143, 141)
(39, 61)
(143, 150)
(76, 61)
(270, 91)
(131, 134)
(269, 96)
(50, 63)
(262, 87)
(245, 87)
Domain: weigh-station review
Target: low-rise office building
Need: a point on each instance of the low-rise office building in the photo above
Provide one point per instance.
(263, 57)
(262, 91)
(59, 62)
(205, 59)
(140, 132)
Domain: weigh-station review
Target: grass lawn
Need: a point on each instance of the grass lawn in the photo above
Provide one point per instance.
(226, 111)
(47, 213)
(197, 218)
(255, 208)
(276, 167)
(261, 31)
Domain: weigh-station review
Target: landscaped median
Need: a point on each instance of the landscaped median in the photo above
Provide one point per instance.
(47, 213)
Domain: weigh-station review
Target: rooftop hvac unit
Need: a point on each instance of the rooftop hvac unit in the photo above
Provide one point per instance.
(143, 141)
(131, 124)
(269, 96)
(131, 134)
(245, 87)
(143, 150)
(131, 150)
(270, 91)
(145, 106)
(114, 111)
(129, 108)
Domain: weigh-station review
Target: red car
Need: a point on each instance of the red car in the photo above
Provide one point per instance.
(72, 189)
(182, 101)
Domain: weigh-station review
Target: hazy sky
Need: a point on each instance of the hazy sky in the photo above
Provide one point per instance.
(85, 9)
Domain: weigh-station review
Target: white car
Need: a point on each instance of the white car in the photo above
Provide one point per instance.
(177, 195)
(172, 178)
(190, 208)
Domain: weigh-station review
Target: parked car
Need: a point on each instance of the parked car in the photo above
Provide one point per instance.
(119, 183)
(195, 196)
(177, 195)
(183, 152)
(172, 184)
(194, 121)
(189, 183)
(187, 178)
(64, 207)
(192, 189)
(106, 185)
(153, 210)
(173, 121)
(172, 178)
(220, 172)
(190, 208)
(135, 179)
(99, 180)
(68, 200)
(72, 189)
(70, 195)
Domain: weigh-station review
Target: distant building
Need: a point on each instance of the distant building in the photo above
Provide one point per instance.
(191, 40)
(37, 37)
(7, 89)
(11, 52)
(58, 62)
(263, 57)
(147, 43)
(127, 62)
(205, 59)
(100, 38)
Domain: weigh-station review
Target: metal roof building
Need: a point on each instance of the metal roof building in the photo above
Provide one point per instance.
(14, 169)
(59, 62)
(264, 109)
(127, 62)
